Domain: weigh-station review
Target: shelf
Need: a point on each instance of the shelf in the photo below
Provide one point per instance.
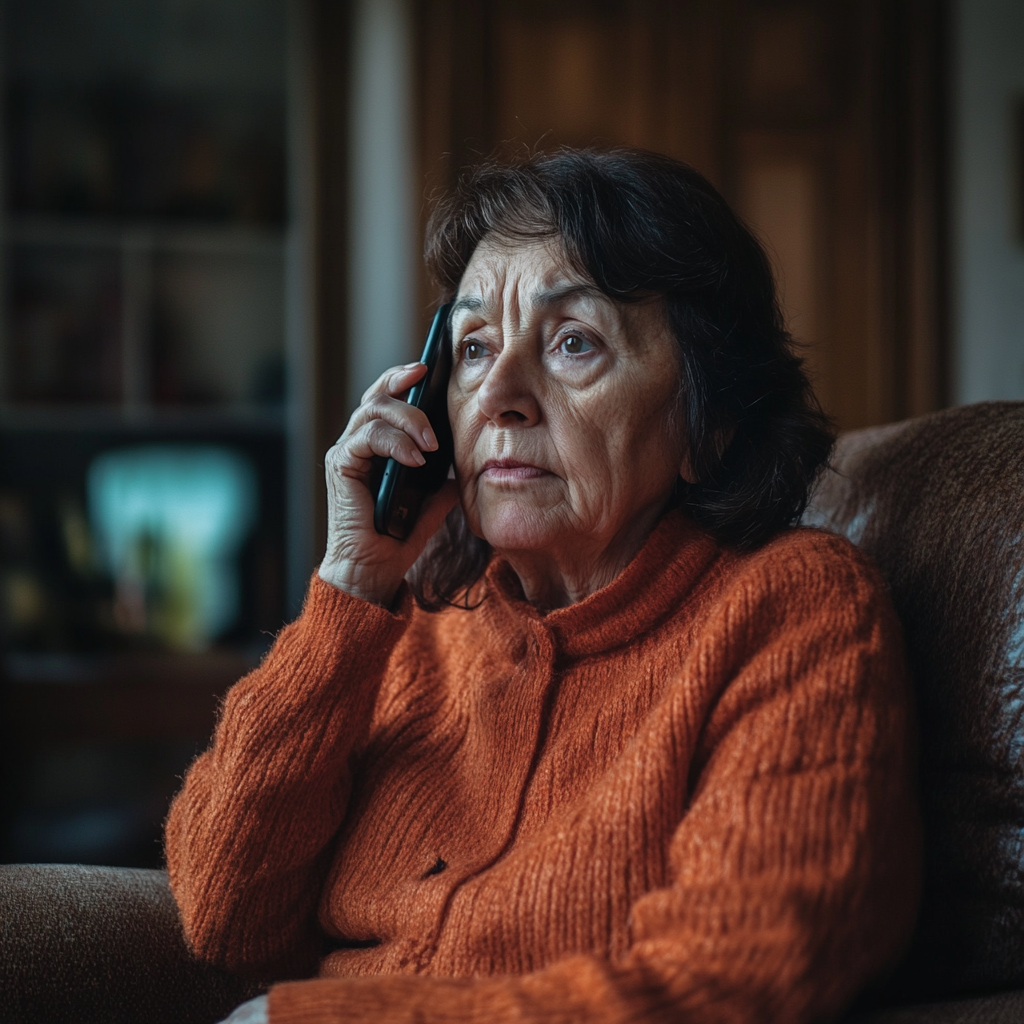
(158, 236)
(148, 303)
(144, 419)
(125, 697)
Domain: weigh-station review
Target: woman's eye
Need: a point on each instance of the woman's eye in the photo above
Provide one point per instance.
(575, 345)
(472, 350)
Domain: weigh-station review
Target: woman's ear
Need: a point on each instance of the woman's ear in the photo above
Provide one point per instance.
(686, 469)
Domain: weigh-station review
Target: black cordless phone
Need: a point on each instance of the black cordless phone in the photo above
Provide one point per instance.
(402, 488)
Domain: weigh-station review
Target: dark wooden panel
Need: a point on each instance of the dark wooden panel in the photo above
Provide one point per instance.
(839, 104)
(329, 68)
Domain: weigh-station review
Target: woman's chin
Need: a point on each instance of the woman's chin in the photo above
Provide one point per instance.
(519, 529)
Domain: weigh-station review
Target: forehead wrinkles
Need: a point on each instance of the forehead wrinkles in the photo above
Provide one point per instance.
(502, 284)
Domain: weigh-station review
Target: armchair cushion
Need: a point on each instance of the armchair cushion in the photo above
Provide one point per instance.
(86, 945)
(938, 502)
(1000, 1008)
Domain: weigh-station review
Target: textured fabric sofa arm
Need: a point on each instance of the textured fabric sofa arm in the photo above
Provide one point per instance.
(999, 1008)
(90, 944)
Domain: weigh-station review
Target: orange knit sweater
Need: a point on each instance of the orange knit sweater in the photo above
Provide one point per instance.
(687, 798)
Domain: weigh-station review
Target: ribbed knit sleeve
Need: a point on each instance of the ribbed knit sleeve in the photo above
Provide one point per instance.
(793, 869)
(248, 838)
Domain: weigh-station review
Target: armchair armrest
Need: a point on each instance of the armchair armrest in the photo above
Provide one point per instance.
(91, 944)
(997, 1008)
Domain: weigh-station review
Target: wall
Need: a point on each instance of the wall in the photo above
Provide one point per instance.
(988, 250)
(384, 253)
(816, 118)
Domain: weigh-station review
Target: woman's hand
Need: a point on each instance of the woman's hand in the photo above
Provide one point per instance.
(359, 560)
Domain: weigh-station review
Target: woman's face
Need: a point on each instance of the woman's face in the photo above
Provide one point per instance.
(561, 402)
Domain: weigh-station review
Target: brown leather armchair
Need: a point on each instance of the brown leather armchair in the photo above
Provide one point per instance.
(939, 503)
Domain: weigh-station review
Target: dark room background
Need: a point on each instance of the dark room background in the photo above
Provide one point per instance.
(209, 233)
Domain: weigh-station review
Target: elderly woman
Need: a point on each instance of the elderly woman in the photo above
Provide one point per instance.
(603, 740)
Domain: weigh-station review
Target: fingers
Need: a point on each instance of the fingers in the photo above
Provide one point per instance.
(358, 559)
(394, 381)
(376, 437)
(397, 414)
(381, 402)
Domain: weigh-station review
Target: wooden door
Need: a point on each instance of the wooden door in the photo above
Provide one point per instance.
(817, 119)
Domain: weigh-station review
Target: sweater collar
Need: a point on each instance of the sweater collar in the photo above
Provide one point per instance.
(655, 582)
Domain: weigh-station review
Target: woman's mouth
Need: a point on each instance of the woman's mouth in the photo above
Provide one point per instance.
(510, 471)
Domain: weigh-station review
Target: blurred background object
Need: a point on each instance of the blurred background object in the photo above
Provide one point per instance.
(210, 231)
(145, 424)
(170, 522)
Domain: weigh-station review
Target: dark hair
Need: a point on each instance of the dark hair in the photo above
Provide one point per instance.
(641, 224)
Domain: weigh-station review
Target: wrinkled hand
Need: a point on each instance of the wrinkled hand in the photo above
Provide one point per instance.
(359, 560)
(252, 1012)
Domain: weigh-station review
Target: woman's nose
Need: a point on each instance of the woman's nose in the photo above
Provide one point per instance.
(508, 394)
